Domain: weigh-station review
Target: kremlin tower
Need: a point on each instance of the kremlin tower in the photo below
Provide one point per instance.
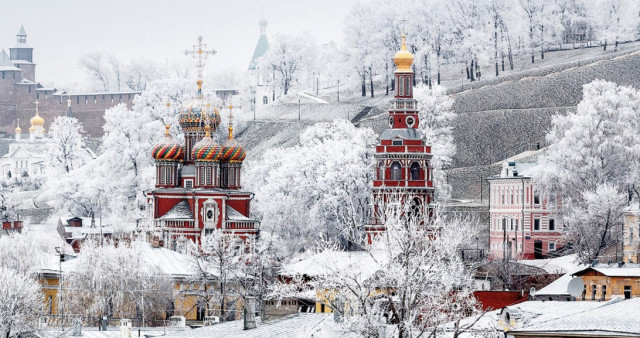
(403, 160)
(198, 186)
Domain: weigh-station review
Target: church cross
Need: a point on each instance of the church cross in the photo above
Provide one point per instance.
(404, 21)
(37, 105)
(200, 53)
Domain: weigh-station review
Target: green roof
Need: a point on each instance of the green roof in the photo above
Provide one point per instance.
(261, 48)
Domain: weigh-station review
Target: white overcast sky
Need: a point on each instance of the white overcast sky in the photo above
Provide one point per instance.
(62, 32)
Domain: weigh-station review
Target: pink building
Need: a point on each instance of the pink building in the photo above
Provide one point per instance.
(521, 223)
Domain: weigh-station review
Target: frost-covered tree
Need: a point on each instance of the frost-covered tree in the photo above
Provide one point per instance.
(593, 147)
(66, 145)
(436, 122)
(614, 20)
(25, 253)
(221, 255)
(20, 303)
(115, 281)
(410, 282)
(288, 55)
(305, 191)
(596, 221)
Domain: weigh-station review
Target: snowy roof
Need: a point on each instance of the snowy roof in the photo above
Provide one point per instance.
(558, 265)
(5, 62)
(26, 149)
(616, 317)
(182, 210)
(111, 332)
(166, 261)
(626, 270)
(526, 314)
(235, 215)
(188, 170)
(559, 287)
(406, 133)
(261, 48)
(298, 325)
(360, 264)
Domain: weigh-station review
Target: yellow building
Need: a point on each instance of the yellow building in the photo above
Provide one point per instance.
(191, 297)
(607, 281)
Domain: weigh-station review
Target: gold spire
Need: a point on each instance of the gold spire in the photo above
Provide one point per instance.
(207, 131)
(18, 130)
(200, 53)
(230, 122)
(166, 130)
(37, 120)
(69, 102)
(403, 58)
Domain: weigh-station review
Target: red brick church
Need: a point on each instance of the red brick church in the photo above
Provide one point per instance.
(403, 168)
(198, 184)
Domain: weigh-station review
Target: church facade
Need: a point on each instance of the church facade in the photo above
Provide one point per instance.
(198, 183)
(403, 159)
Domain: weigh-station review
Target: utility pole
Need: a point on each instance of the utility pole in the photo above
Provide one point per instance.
(338, 90)
(298, 109)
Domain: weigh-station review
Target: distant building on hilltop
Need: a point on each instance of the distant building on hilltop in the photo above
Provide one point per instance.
(522, 223)
(262, 83)
(19, 89)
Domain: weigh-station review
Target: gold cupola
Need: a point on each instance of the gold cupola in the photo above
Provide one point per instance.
(37, 120)
(18, 130)
(403, 58)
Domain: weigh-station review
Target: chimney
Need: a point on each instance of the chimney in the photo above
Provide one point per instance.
(594, 262)
(250, 313)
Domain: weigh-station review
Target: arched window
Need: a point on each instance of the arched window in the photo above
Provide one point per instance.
(408, 86)
(265, 100)
(415, 171)
(396, 171)
(381, 170)
(401, 85)
(416, 207)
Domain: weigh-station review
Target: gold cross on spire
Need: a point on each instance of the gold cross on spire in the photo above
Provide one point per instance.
(200, 53)
(404, 21)
(37, 103)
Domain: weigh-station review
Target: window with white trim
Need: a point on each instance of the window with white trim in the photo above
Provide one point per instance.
(552, 246)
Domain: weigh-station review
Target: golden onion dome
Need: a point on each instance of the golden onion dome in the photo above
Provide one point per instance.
(207, 149)
(37, 120)
(168, 149)
(18, 130)
(32, 129)
(403, 58)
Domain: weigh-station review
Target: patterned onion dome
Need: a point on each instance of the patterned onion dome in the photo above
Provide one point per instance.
(206, 149)
(168, 149)
(191, 116)
(232, 152)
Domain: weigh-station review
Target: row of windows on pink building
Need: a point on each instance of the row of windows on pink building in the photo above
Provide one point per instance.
(522, 224)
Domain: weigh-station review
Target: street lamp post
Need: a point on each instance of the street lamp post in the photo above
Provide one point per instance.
(298, 109)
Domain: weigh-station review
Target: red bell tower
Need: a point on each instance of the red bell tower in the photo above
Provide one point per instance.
(403, 160)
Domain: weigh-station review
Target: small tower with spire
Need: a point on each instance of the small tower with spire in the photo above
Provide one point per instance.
(22, 55)
(69, 111)
(231, 161)
(18, 131)
(403, 159)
